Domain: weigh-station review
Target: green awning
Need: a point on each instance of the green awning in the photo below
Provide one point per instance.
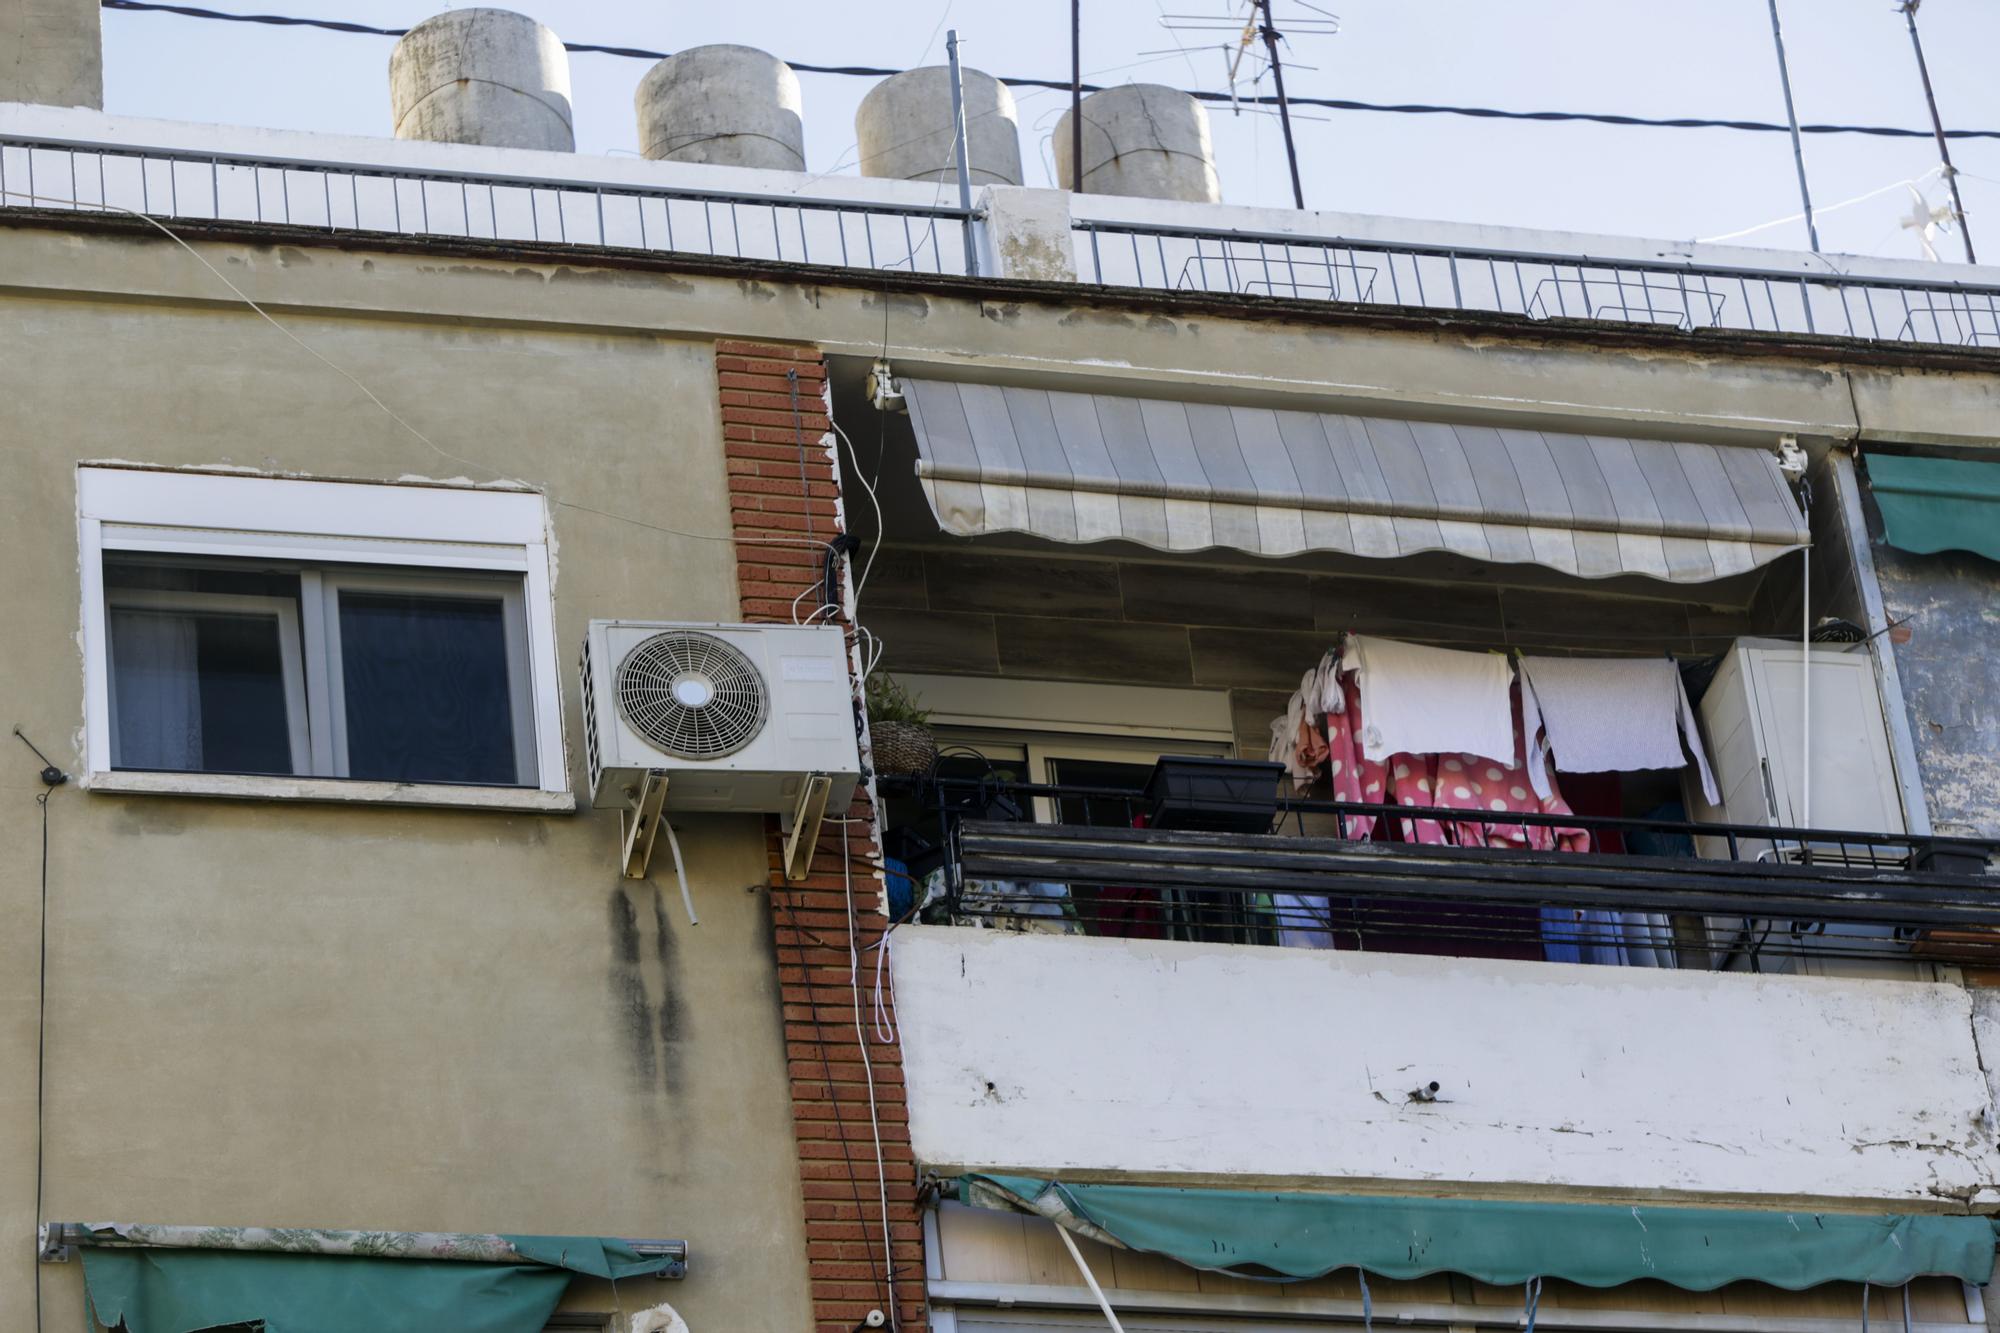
(1938, 504)
(1292, 1237)
(181, 1279)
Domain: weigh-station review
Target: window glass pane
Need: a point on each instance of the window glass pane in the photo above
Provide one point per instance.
(199, 692)
(220, 576)
(1100, 811)
(426, 688)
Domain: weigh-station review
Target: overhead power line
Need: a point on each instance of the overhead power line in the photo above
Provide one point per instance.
(1065, 85)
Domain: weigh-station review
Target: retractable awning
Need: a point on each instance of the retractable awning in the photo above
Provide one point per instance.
(1937, 504)
(1267, 1234)
(1185, 476)
(164, 1279)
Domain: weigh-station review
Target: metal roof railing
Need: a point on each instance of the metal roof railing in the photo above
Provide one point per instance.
(1664, 293)
(360, 198)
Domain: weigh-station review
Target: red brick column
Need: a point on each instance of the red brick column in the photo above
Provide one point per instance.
(769, 438)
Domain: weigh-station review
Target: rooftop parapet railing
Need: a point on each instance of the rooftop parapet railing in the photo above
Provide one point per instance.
(359, 198)
(1540, 286)
(847, 229)
(1704, 896)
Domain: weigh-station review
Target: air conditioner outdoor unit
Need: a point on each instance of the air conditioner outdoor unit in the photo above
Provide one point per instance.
(735, 716)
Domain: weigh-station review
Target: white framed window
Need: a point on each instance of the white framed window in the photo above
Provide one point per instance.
(259, 636)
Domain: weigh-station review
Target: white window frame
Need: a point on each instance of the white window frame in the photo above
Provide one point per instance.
(291, 664)
(421, 527)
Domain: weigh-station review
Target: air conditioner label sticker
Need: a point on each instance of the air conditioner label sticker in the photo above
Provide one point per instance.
(807, 668)
(817, 726)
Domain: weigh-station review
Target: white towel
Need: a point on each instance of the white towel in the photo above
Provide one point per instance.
(1417, 700)
(1608, 715)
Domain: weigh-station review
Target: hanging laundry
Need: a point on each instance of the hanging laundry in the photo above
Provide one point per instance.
(1599, 715)
(1467, 782)
(1431, 700)
(1401, 779)
(1302, 922)
(1296, 739)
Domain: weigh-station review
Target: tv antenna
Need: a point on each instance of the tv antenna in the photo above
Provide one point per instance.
(1249, 25)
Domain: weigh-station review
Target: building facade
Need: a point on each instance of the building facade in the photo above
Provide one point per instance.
(324, 455)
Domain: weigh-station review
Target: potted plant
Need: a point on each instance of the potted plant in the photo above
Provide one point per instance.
(899, 728)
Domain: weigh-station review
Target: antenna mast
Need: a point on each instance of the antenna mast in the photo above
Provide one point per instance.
(1271, 36)
(1909, 8)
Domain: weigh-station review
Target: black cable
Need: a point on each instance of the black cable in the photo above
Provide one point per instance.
(41, 1043)
(1063, 85)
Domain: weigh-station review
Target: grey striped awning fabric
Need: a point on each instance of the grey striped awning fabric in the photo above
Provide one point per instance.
(1179, 476)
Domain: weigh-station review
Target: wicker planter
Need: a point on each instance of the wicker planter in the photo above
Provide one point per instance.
(902, 747)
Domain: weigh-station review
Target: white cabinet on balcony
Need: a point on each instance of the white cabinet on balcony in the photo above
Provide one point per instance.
(1754, 719)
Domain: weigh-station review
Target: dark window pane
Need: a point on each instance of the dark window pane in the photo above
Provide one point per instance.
(426, 689)
(1100, 811)
(241, 579)
(199, 692)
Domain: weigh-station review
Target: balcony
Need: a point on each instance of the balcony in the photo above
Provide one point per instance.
(1705, 897)
(1099, 1001)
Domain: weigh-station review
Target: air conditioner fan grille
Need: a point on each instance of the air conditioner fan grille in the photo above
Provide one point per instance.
(692, 695)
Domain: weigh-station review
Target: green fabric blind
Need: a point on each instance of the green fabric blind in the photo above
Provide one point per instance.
(1297, 1236)
(1938, 504)
(153, 1290)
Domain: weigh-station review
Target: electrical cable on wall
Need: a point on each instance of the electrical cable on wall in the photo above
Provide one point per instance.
(99, 205)
(1064, 85)
(52, 777)
(868, 1073)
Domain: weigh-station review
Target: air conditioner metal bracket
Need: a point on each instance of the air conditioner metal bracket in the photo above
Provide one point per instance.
(640, 823)
(803, 824)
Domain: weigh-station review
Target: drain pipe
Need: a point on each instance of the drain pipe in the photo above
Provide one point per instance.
(1090, 1279)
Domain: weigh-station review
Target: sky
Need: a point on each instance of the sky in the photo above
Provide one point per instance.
(1850, 62)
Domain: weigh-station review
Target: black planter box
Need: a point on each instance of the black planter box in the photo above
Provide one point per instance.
(1222, 795)
(1932, 858)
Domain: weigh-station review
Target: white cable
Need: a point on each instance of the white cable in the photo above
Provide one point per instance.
(795, 602)
(369, 393)
(1805, 693)
(862, 477)
(680, 871)
(1089, 1279)
(1820, 212)
(884, 1020)
(868, 1072)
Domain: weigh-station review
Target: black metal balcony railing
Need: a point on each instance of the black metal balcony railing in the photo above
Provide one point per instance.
(1714, 896)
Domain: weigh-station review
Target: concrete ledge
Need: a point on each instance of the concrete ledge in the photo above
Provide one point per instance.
(232, 786)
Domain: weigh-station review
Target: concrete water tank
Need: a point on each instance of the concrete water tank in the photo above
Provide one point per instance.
(484, 76)
(733, 105)
(904, 128)
(1144, 140)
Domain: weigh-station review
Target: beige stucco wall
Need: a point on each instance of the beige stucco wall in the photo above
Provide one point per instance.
(311, 1014)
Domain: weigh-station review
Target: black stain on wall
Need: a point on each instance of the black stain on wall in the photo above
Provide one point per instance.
(631, 1009)
(673, 1009)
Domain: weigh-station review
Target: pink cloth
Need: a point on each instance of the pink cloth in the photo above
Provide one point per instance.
(1467, 782)
(1309, 747)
